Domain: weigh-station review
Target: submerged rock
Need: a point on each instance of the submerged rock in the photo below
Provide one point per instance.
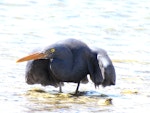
(43, 97)
(105, 101)
(129, 91)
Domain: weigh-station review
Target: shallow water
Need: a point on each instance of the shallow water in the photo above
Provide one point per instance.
(120, 27)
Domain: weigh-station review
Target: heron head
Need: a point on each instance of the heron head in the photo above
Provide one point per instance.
(48, 53)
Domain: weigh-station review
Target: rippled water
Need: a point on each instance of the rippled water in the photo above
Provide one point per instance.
(119, 26)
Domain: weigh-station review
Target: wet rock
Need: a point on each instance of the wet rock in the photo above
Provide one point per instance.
(37, 90)
(105, 101)
(43, 97)
(38, 93)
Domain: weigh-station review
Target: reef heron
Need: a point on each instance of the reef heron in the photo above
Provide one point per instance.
(69, 61)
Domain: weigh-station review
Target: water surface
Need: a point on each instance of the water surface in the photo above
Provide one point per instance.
(121, 27)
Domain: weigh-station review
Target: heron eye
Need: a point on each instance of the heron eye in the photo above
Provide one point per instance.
(52, 50)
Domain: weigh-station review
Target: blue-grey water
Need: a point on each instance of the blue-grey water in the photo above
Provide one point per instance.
(121, 27)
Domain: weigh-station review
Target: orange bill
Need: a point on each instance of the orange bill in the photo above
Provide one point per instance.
(31, 57)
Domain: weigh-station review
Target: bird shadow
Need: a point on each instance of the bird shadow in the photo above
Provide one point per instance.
(88, 94)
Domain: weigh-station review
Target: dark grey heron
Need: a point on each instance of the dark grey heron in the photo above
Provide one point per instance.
(69, 61)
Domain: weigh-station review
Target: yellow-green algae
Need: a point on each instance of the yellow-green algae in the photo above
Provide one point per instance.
(37, 95)
(129, 91)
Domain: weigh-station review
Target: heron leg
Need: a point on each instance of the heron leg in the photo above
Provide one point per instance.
(76, 92)
(60, 88)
